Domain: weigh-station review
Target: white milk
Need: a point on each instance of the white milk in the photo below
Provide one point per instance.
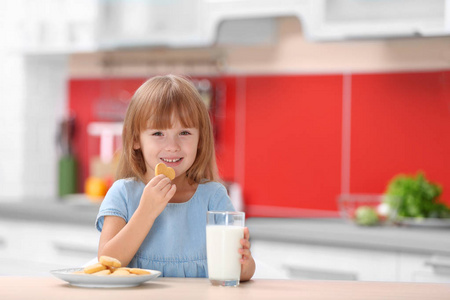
(222, 244)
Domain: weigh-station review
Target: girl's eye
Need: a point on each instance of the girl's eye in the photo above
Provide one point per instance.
(185, 133)
(158, 133)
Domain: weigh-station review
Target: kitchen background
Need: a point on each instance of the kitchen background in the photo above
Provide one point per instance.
(310, 99)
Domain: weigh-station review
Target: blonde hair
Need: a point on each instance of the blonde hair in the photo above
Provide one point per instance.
(153, 105)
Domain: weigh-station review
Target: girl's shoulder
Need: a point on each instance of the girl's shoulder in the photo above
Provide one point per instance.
(127, 182)
(212, 187)
(126, 185)
(216, 195)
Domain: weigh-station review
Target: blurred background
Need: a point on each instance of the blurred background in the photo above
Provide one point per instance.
(310, 99)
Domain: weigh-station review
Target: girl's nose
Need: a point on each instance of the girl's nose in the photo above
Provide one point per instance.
(173, 144)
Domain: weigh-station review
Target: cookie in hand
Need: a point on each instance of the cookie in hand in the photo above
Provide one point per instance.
(161, 168)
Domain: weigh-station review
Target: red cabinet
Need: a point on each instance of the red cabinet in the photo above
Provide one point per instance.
(400, 124)
(292, 141)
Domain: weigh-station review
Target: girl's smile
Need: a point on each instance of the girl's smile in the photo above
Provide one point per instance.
(172, 162)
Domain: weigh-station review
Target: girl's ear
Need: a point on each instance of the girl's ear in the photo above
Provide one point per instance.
(136, 145)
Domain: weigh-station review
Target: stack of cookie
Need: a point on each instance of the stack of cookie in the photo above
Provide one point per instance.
(111, 266)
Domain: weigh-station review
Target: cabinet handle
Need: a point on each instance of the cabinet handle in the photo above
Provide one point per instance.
(2, 242)
(319, 274)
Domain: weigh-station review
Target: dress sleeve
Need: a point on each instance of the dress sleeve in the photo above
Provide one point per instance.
(220, 201)
(114, 204)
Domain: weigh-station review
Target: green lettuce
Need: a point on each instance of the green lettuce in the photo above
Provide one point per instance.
(419, 198)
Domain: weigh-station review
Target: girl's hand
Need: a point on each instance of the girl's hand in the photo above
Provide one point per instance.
(247, 262)
(157, 193)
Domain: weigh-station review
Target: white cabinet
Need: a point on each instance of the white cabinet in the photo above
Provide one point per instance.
(282, 260)
(300, 261)
(349, 19)
(55, 26)
(35, 248)
(125, 23)
(419, 268)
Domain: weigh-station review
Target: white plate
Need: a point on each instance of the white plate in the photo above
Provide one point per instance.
(93, 281)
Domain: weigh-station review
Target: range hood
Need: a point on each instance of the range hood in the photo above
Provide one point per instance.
(195, 23)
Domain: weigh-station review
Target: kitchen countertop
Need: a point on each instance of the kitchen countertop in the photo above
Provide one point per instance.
(77, 210)
(199, 288)
(319, 231)
(340, 233)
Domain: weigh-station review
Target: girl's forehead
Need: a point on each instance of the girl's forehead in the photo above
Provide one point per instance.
(174, 121)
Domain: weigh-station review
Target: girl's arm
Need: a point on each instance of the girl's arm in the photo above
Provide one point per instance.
(247, 261)
(121, 240)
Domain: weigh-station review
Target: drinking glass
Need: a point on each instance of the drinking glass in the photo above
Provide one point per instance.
(224, 231)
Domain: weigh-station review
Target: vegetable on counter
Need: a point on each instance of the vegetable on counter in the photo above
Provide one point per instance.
(366, 215)
(419, 197)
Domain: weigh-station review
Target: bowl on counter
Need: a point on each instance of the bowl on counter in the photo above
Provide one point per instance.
(368, 209)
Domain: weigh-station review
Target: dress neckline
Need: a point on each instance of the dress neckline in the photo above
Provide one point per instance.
(188, 201)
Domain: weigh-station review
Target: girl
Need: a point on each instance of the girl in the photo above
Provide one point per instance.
(149, 221)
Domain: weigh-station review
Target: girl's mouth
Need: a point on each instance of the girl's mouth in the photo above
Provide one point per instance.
(172, 161)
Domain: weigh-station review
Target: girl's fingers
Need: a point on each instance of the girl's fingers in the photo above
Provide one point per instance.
(246, 233)
(164, 182)
(245, 252)
(244, 260)
(168, 191)
(161, 186)
(165, 189)
(155, 180)
(245, 243)
(171, 191)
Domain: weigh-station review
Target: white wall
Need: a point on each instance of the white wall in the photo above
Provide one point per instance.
(45, 107)
(12, 103)
(33, 92)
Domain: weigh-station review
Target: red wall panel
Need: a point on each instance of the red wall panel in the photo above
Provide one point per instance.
(400, 124)
(225, 125)
(96, 100)
(293, 141)
(280, 136)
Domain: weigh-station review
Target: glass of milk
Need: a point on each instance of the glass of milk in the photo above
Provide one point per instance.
(224, 231)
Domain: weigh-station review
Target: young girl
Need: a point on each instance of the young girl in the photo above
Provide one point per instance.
(149, 221)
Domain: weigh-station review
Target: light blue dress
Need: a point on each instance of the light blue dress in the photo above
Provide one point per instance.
(176, 243)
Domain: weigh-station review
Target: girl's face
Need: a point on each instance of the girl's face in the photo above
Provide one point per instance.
(176, 147)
